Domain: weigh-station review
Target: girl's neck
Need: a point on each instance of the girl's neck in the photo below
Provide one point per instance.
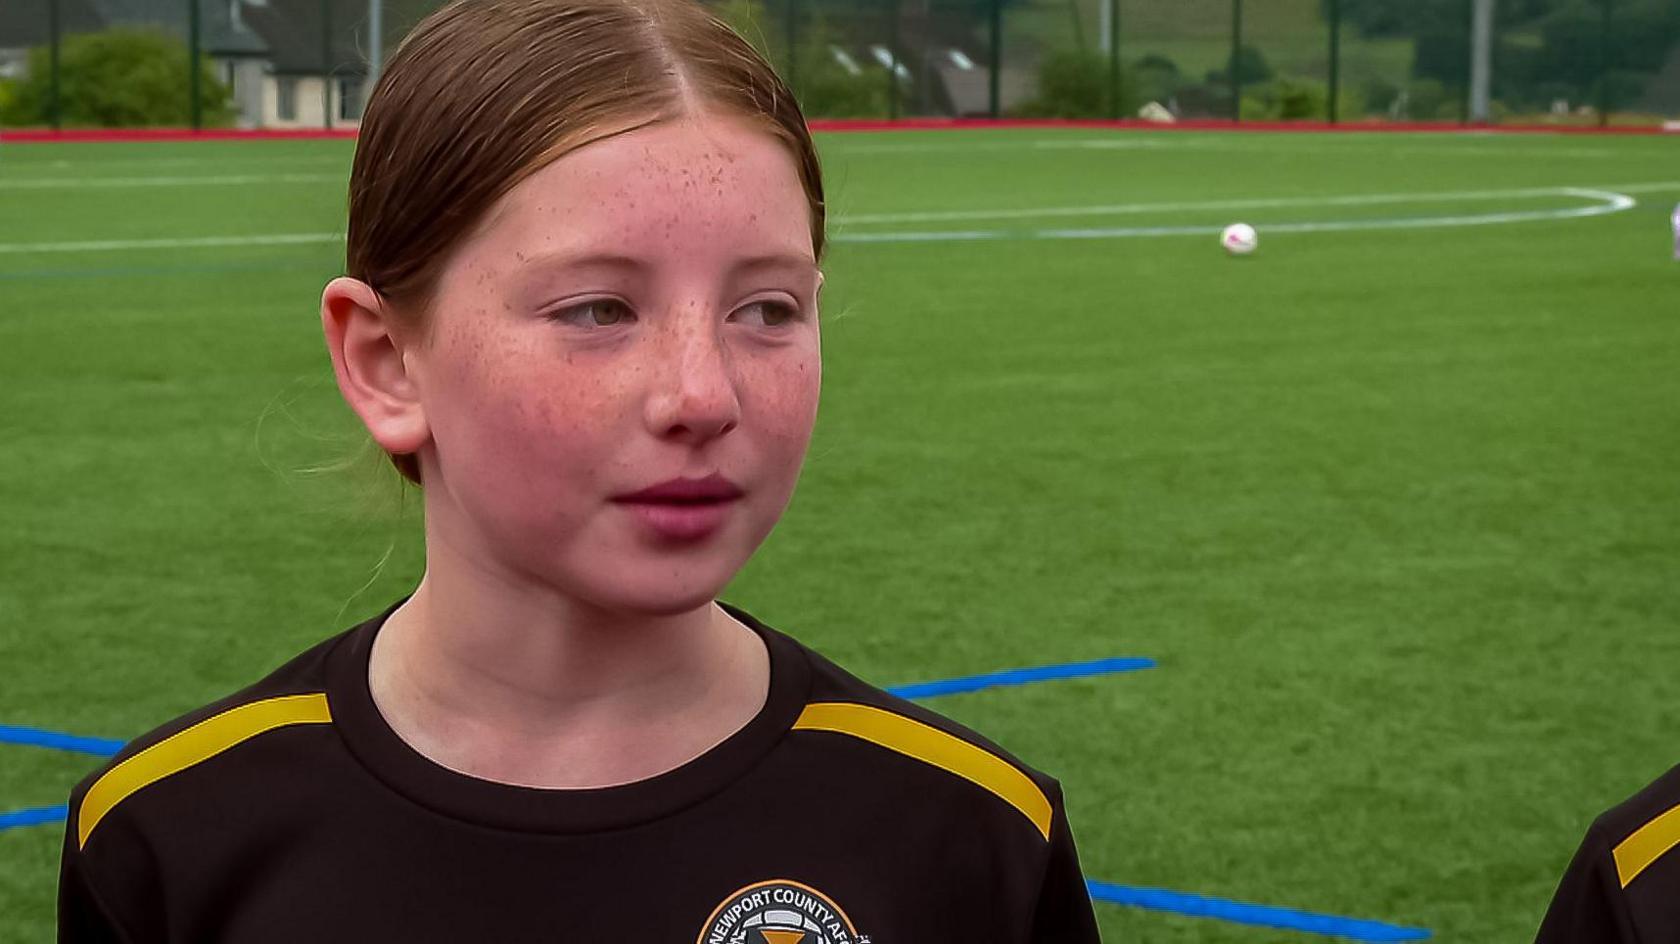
(537, 690)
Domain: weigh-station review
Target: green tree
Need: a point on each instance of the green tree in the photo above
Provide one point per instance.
(120, 78)
(9, 111)
(1410, 17)
(826, 89)
(1251, 67)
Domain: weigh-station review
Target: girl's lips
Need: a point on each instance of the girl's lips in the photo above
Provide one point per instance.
(714, 487)
(681, 521)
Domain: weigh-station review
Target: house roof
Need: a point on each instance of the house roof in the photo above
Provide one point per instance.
(292, 29)
(25, 23)
(285, 32)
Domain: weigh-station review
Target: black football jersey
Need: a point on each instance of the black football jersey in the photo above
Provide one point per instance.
(1623, 886)
(291, 812)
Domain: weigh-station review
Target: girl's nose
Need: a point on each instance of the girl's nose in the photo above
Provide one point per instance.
(694, 399)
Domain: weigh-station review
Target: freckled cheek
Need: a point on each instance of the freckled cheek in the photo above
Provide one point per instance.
(532, 406)
(786, 391)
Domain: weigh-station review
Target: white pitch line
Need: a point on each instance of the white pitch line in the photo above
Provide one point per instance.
(1355, 143)
(1120, 209)
(1112, 144)
(78, 183)
(1643, 188)
(1610, 203)
(204, 242)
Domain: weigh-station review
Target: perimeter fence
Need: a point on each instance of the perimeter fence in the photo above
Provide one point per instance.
(309, 63)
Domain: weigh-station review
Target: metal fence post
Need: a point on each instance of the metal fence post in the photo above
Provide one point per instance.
(790, 30)
(893, 13)
(1468, 14)
(54, 109)
(1604, 66)
(1236, 61)
(1335, 59)
(994, 93)
(196, 93)
(1113, 58)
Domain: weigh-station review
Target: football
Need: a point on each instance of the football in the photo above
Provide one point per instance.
(1239, 239)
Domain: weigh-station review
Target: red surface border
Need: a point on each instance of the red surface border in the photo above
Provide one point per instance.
(114, 135)
(106, 135)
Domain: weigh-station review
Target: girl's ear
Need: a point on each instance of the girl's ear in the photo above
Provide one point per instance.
(370, 359)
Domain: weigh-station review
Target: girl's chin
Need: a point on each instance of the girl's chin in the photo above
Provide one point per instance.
(661, 588)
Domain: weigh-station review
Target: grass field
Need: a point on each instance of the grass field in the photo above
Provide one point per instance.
(1393, 503)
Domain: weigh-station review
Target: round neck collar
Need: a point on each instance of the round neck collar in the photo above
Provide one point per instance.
(507, 806)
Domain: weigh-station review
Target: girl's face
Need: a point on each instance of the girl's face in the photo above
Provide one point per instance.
(640, 311)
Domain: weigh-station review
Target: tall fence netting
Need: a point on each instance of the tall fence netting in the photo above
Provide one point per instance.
(310, 63)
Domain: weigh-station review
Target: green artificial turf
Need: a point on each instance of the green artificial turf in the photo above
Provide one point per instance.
(1395, 509)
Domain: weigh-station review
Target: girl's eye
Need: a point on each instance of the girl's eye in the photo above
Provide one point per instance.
(771, 314)
(597, 313)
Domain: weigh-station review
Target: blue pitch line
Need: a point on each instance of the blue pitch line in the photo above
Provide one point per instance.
(1043, 673)
(104, 747)
(1265, 916)
(1153, 899)
(35, 737)
(33, 817)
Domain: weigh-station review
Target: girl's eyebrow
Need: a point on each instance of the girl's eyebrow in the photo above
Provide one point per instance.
(534, 270)
(787, 260)
(615, 260)
(533, 267)
(560, 258)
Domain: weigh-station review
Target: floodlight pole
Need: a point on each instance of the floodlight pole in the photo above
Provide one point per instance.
(53, 108)
(376, 45)
(1111, 38)
(1481, 60)
(326, 65)
(192, 65)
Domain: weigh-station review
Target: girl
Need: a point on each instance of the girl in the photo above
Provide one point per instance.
(581, 313)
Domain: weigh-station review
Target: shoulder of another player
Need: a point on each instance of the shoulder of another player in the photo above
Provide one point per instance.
(1641, 835)
(290, 697)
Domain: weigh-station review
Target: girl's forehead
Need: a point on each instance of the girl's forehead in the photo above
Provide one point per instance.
(702, 182)
(691, 160)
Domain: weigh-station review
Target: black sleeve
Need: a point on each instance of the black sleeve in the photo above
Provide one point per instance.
(1063, 914)
(1589, 907)
(82, 917)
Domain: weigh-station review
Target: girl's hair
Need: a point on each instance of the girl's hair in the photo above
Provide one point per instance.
(483, 93)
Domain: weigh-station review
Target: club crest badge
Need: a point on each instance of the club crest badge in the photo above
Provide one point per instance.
(779, 911)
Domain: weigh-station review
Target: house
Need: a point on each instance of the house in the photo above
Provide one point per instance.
(25, 24)
(289, 63)
(316, 63)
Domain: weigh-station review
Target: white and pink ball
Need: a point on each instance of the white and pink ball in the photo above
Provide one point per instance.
(1239, 239)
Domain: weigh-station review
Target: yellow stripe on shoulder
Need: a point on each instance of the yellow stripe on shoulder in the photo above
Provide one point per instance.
(930, 745)
(194, 745)
(1647, 845)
